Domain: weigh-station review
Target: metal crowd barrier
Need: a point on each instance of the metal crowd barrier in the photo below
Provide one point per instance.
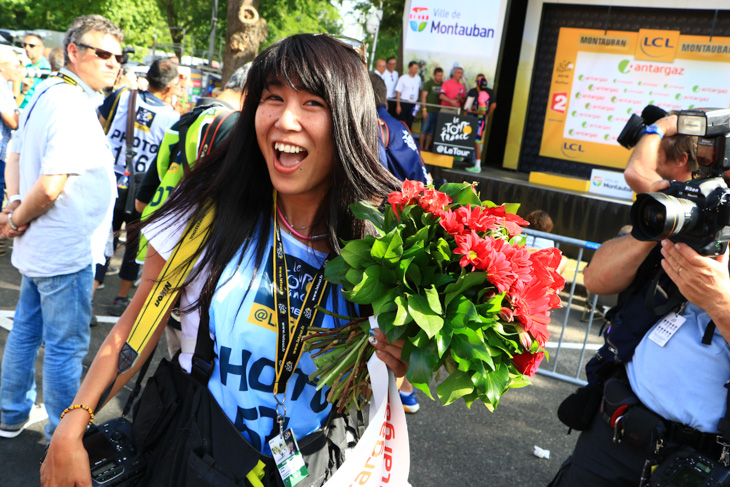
(549, 368)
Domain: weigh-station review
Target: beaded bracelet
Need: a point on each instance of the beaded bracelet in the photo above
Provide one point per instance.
(79, 406)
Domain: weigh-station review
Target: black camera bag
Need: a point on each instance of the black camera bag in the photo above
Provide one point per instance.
(628, 321)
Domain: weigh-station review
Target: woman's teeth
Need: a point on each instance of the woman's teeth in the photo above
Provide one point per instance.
(292, 149)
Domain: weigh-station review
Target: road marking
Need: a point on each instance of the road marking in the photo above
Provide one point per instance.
(573, 345)
(6, 319)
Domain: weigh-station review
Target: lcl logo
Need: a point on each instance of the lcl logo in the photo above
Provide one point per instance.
(572, 149)
(658, 42)
(657, 45)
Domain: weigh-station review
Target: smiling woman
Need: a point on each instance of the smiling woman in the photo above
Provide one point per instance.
(304, 148)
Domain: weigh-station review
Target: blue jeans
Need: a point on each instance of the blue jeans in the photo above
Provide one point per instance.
(56, 311)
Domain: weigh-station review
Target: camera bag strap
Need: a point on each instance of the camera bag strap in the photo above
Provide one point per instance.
(163, 295)
(129, 153)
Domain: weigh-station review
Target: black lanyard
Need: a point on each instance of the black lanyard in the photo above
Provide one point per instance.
(289, 341)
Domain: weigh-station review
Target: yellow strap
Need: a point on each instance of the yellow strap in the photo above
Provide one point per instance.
(256, 474)
(165, 292)
(113, 111)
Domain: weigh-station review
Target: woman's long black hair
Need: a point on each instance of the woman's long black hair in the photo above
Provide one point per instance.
(234, 180)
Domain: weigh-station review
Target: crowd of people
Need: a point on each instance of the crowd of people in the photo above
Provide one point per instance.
(408, 95)
(278, 158)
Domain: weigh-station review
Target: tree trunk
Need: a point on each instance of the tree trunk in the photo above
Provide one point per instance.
(246, 31)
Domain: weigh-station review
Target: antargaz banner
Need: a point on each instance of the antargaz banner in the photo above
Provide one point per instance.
(601, 77)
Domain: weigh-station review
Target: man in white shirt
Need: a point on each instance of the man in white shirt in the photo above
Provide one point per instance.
(61, 169)
(380, 68)
(390, 76)
(407, 89)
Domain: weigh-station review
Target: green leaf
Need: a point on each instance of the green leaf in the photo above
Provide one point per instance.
(442, 251)
(357, 253)
(495, 383)
(425, 317)
(336, 271)
(466, 345)
(368, 289)
(388, 248)
(455, 386)
(454, 189)
(443, 339)
(434, 302)
(385, 303)
(461, 311)
(511, 208)
(413, 275)
(401, 314)
(420, 364)
(464, 283)
(367, 211)
(353, 277)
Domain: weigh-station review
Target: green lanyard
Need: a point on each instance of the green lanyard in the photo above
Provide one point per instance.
(289, 341)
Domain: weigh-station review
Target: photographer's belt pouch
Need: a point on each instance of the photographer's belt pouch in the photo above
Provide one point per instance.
(617, 399)
(642, 428)
(577, 410)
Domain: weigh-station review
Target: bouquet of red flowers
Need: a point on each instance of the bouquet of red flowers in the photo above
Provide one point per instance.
(450, 275)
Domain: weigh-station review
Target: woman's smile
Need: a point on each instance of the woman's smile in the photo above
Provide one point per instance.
(294, 132)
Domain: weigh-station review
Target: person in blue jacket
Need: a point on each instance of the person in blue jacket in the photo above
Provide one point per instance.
(398, 151)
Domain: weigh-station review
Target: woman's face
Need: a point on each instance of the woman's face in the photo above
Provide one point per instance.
(294, 132)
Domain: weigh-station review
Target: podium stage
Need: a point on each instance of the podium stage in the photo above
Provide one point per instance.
(575, 214)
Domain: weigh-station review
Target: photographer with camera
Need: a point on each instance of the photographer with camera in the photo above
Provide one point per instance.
(661, 153)
(654, 411)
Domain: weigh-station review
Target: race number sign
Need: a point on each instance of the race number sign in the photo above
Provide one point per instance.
(455, 134)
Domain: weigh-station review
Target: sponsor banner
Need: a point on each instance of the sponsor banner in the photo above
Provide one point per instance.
(455, 135)
(600, 78)
(610, 183)
(382, 456)
(448, 33)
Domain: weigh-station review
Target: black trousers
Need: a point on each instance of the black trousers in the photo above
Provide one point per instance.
(406, 113)
(599, 462)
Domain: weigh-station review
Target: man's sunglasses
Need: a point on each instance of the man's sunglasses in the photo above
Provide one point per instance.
(25, 44)
(102, 54)
(356, 45)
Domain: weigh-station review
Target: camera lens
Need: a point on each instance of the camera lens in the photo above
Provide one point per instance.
(656, 216)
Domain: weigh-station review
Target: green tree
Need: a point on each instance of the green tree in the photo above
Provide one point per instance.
(391, 28)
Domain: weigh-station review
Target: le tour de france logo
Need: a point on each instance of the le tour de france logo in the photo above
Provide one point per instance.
(418, 19)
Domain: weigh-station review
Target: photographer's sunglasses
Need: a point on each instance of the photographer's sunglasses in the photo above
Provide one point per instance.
(102, 54)
(25, 44)
(354, 44)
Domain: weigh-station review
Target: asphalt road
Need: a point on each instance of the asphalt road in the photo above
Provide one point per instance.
(452, 446)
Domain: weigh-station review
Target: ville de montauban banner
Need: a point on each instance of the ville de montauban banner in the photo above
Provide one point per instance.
(448, 33)
(600, 78)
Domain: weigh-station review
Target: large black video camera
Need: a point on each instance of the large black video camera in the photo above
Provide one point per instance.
(696, 212)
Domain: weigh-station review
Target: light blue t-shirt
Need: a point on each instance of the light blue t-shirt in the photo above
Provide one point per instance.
(245, 344)
(684, 380)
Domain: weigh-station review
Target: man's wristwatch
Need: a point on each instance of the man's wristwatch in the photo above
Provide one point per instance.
(11, 222)
(654, 129)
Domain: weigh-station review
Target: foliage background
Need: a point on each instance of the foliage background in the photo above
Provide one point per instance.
(166, 20)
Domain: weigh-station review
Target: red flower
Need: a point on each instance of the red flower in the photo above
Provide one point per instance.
(473, 248)
(480, 220)
(531, 304)
(434, 201)
(544, 263)
(527, 363)
(451, 222)
(407, 196)
(497, 265)
(521, 264)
